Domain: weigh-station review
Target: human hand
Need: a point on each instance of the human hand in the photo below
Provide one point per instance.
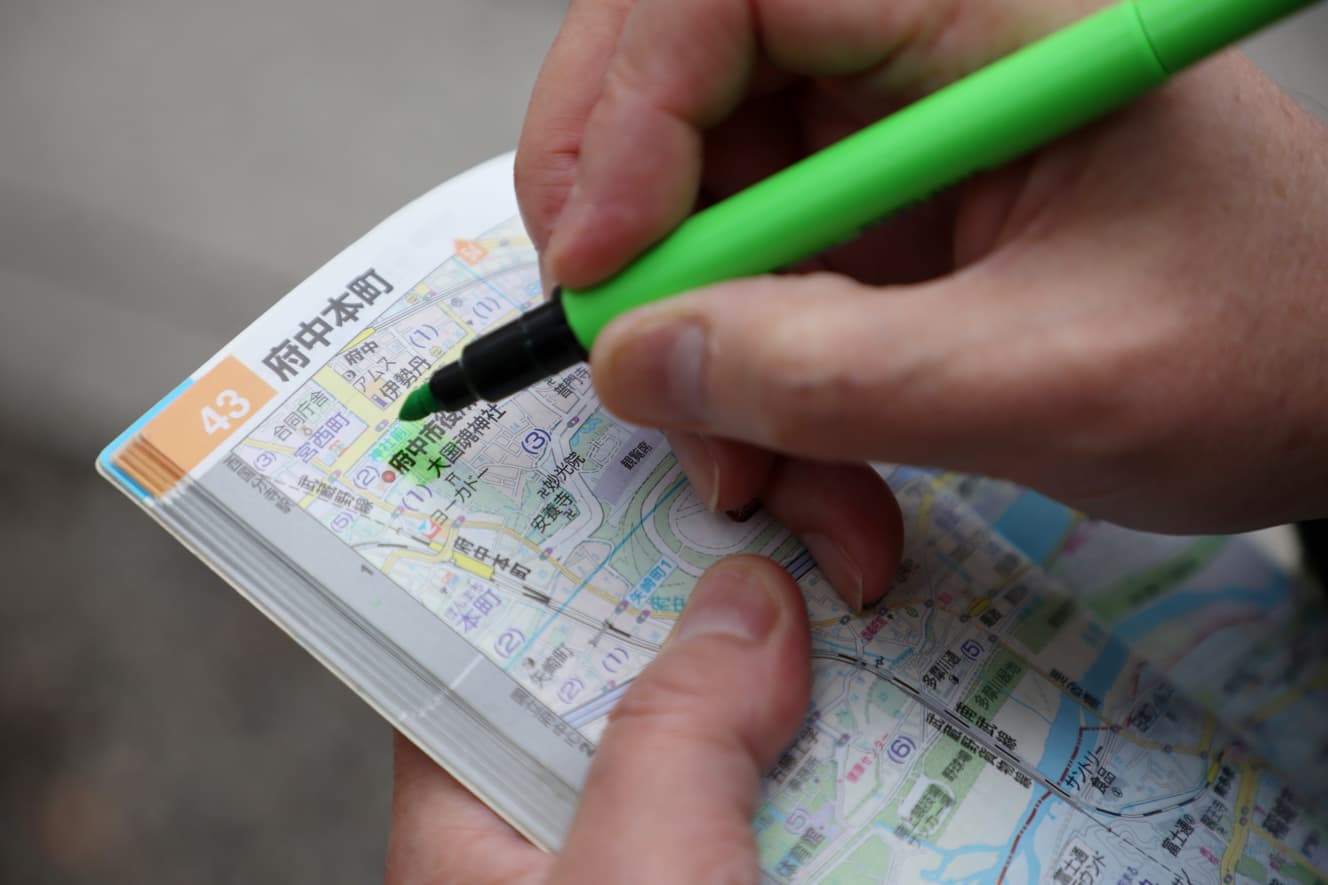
(674, 782)
(841, 510)
(1131, 320)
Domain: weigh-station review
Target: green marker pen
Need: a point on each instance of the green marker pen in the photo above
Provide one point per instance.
(989, 118)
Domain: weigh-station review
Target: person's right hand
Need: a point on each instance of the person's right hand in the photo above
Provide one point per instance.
(1133, 320)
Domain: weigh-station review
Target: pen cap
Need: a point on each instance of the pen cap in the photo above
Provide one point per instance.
(1184, 31)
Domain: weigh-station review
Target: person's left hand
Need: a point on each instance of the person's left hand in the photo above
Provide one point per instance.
(674, 782)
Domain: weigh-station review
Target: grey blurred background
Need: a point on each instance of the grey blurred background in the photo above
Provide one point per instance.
(168, 169)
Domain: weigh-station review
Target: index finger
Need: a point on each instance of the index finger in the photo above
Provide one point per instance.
(681, 66)
(566, 89)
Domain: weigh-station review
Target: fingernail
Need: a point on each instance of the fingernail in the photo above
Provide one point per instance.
(567, 229)
(745, 512)
(660, 361)
(841, 569)
(700, 465)
(741, 604)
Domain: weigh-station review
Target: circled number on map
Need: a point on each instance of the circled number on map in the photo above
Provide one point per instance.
(535, 441)
(900, 749)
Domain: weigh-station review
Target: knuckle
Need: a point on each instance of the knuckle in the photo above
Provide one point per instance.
(542, 177)
(622, 87)
(1125, 411)
(803, 387)
(1121, 404)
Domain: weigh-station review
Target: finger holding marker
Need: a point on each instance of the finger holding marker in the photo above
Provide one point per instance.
(1087, 340)
(566, 89)
(1139, 391)
(682, 66)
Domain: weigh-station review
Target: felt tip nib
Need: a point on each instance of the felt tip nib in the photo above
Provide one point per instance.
(419, 404)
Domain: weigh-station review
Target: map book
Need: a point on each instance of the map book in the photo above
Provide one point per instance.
(1040, 697)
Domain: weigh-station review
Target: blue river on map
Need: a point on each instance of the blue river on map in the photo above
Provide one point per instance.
(1179, 606)
(1061, 739)
(1035, 525)
(588, 426)
(1104, 672)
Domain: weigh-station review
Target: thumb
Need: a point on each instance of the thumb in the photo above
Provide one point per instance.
(675, 780)
(822, 366)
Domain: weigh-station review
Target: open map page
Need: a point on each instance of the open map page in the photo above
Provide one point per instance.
(1039, 698)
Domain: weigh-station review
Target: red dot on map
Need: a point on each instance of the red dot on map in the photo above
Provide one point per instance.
(388, 476)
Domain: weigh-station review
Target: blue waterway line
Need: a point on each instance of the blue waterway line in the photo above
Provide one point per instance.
(1035, 525)
(1027, 706)
(1061, 738)
(1028, 847)
(1107, 668)
(592, 421)
(488, 285)
(1180, 605)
